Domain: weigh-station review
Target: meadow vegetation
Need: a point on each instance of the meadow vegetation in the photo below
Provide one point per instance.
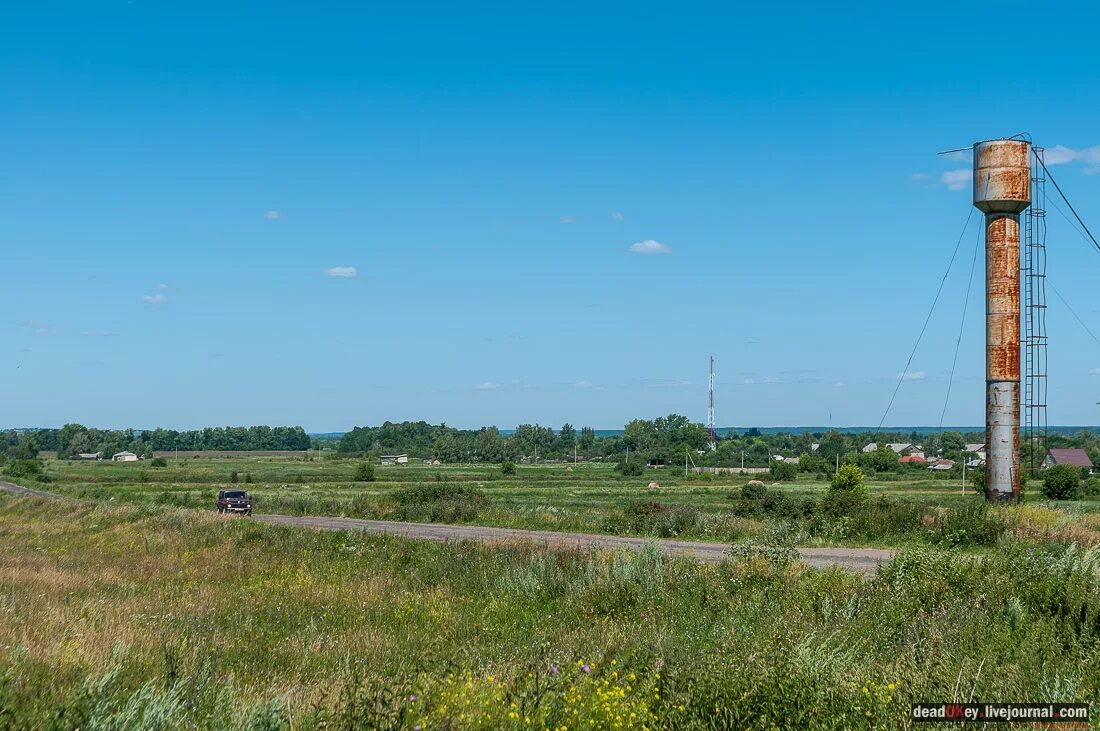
(145, 615)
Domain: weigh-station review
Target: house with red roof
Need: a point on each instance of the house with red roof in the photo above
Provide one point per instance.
(1075, 457)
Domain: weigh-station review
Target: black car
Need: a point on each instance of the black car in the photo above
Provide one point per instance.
(234, 501)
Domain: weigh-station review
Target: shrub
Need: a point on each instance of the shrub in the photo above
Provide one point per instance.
(846, 492)
(364, 472)
(783, 470)
(158, 462)
(1091, 486)
(248, 477)
(508, 468)
(23, 468)
(655, 518)
(753, 490)
(233, 476)
(1062, 482)
(439, 502)
(977, 479)
(630, 469)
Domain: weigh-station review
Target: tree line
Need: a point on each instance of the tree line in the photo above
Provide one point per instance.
(73, 439)
(670, 439)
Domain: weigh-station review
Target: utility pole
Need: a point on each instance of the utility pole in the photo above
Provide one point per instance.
(712, 432)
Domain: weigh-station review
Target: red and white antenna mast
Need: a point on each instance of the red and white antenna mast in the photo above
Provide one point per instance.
(712, 433)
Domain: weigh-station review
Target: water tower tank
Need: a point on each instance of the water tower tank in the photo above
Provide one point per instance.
(1002, 176)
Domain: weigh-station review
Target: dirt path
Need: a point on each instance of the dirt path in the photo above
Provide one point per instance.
(859, 560)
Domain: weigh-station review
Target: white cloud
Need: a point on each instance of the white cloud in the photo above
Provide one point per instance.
(616, 216)
(649, 246)
(163, 287)
(42, 329)
(1095, 371)
(568, 219)
(667, 383)
(97, 334)
(154, 299)
(957, 179)
(583, 384)
(748, 382)
(912, 376)
(966, 154)
(345, 272)
(918, 177)
(1062, 155)
(487, 386)
(838, 384)
(273, 215)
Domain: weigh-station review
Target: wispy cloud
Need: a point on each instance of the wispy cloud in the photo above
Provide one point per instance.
(966, 154)
(1062, 155)
(487, 386)
(568, 219)
(97, 334)
(344, 272)
(154, 299)
(273, 215)
(649, 246)
(583, 384)
(911, 376)
(42, 329)
(163, 287)
(1095, 371)
(667, 383)
(957, 179)
(919, 177)
(838, 384)
(616, 216)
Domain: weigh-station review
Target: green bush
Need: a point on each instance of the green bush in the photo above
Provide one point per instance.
(784, 471)
(158, 462)
(630, 469)
(977, 480)
(1062, 482)
(753, 490)
(1091, 486)
(652, 517)
(847, 491)
(364, 472)
(25, 469)
(233, 476)
(439, 502)
(508, 468)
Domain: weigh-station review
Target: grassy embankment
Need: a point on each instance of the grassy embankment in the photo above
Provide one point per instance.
(143, 616)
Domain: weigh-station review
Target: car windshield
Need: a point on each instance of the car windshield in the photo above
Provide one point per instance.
(235, 494)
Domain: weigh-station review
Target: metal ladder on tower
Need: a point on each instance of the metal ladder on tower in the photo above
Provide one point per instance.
(1033, 266)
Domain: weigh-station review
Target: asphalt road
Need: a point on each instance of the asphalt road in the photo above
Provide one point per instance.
(859, 560)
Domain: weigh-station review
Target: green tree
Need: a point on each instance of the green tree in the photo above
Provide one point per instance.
(783, 470)
(1062, 482)
(364, 472)
(587, 440)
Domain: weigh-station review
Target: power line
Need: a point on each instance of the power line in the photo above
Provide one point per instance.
(905, 371)
(1072, 312)
(1071, 208)
(962, 323)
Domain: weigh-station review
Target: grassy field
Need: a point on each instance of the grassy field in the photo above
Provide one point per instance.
(148, 616)
(588, 498)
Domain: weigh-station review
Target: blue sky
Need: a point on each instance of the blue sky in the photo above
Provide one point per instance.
(181, 181)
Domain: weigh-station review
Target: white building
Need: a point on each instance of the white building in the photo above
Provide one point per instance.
(90, 455)
(392, 459)
(125, 457)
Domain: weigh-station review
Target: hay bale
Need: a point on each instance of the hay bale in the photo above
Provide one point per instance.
(653, 485)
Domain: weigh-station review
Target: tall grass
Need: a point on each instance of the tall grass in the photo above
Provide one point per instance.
(153, 617)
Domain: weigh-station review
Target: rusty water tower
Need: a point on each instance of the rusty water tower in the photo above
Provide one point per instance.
(1002, 191)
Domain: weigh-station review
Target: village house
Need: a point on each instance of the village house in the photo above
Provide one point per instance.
(1075, 457)
(125, 457)
(392, 459)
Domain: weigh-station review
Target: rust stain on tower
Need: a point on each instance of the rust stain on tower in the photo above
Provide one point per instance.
(1002, 190)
